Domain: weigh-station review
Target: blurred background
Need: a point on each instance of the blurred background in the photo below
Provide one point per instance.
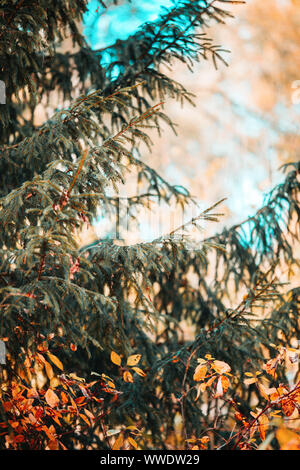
(245, 122)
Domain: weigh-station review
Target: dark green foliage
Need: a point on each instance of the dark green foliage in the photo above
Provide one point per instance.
(54, 178)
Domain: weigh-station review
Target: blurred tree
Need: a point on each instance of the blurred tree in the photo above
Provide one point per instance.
(249, 121)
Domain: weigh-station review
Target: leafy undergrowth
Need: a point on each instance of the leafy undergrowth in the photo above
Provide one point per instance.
(43, 408)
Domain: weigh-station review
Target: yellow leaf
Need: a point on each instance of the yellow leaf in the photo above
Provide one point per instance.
(133, 360)
(133, 428)
(115, 358)
(208, 357)
(55, 360)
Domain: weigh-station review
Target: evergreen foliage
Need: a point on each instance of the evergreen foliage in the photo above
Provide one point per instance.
(54, 178)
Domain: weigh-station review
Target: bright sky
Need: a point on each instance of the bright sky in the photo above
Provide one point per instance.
(104, 27)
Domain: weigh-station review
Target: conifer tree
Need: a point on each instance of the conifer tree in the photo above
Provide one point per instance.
(109, 300)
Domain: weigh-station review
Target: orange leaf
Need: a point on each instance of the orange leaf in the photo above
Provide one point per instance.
(200, 373)
(73, 347)
(55, 418)
(287, 439)
(55, 360)
(274, 395)
(253, 429)
(54, 382)
(49, 431)
(175, 358)
(40, 359)
(118, 443)
(270, 367)
(43, 347)
(79, 400)
(32, 418)
(51, 398)
(32, 393)
(73, 403)
(238, 416)
(115, 358)
(89, 414)
(210, 381)
(139, 371)
(64, 397)
(14, 424)
(49, 370)
(287, 406)
(225, 383)
(296, 396)
(85, 419)
(133, 360)
(132, 442)
(262, 426)
(220, 367)
(127, 376)
(53, 444)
